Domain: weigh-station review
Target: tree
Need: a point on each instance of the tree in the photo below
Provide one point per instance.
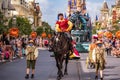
(44, 28)
(116, 28)
(3, 27)
(39, 30)
(22, 24)
(96, 27)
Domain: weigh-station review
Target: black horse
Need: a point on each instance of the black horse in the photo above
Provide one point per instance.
(60, 44)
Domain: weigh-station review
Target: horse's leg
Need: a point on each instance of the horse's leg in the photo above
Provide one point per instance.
(61, 59)
(61, 64)
(57, 62)
(57, 58)
(66, 63)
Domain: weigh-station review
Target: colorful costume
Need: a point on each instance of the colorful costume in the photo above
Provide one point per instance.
(63, 25)
(31, 56)
(99, 58)
(91, 47)
(75, 51)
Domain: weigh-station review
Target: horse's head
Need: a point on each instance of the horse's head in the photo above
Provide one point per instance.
(54, 42)
(58, 42)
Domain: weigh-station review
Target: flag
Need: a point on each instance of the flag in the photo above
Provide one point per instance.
(69, 3)
(96, 18)
(57, 18)
(65, 16)
(75, 2)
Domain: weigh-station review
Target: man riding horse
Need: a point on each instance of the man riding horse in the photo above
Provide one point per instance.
(61, 44)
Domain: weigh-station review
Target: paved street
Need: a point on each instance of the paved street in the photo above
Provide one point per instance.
(110, 73)
(46, 69)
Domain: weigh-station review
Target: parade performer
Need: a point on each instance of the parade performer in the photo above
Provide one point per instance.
(75, 53)
(90, 59)
(31, 56)
(99, 59)
(63, 25)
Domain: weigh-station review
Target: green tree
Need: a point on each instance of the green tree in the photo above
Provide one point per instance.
(39, 30)
(22, 24)
(3, 20)
(44, 28)
(116, 28)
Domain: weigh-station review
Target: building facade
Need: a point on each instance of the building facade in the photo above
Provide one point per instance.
(104, 14)
(28, 9)
(76, 5)
(0, 5)
(116, 11)
(22, 8)
(109, 16)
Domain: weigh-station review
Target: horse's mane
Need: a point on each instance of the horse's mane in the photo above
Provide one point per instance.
(60, 42)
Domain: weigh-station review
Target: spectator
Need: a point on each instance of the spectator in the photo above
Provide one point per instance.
(7, 54)
(46, 43)
(23, 46)
(19, 47)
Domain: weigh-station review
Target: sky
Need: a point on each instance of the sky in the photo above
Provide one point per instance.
(50, 8)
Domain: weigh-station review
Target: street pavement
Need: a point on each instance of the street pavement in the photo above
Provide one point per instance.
(111, 72)
(46, 69)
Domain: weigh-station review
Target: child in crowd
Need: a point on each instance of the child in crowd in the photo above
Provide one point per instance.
(7, 54)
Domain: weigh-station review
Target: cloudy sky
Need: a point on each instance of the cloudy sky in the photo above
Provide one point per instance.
(50, 8)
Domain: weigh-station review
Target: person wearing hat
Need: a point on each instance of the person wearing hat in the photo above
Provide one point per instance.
(99, 59)
(31, 56)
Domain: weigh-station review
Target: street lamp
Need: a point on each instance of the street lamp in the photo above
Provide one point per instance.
(49, 31)
(14, 21)
(119, 24)
(44, 29)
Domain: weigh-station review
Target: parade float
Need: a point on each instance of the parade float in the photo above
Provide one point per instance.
(82, 29)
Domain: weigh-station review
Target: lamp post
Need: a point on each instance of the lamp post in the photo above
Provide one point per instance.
(119, 24)
(14, 21)
(43, 29)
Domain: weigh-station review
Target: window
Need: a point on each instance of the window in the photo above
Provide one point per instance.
(21, 1)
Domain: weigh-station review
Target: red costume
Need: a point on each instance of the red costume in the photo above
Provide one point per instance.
(63, 25)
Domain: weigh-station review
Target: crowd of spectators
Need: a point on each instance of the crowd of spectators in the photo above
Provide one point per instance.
(112, 46)
(12, 48)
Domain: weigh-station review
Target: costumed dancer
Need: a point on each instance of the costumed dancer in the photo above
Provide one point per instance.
(31, 56)
(99, 59)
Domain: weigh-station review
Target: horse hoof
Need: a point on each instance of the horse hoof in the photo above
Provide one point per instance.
(65, 73)
(58, 78)
(62, 75)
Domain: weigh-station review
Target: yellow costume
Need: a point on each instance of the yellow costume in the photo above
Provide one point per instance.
(63, 25)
